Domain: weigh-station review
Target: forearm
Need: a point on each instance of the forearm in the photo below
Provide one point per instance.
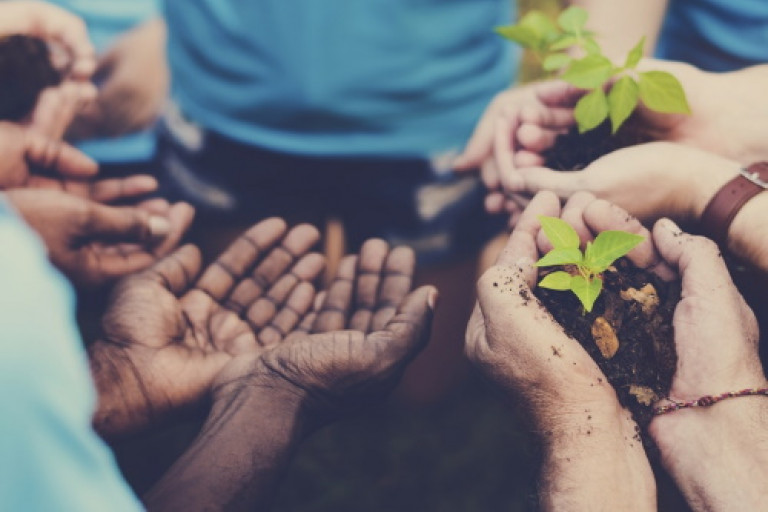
(620, 25)
(718, 456)
(596, 462)
(239, 456)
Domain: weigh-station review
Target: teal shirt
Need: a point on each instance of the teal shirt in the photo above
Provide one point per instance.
(50, 457)
(339, 77)
(106, 21)
(715, 35)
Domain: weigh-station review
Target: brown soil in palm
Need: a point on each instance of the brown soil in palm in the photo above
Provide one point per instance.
(643, 366)
(25, 70)
(574, 150)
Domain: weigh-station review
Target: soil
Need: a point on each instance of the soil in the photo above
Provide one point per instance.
(25, 70)
(574, 150)
(641, 369)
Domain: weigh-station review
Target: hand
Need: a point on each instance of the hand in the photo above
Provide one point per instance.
(93, 243)
(650, 181)
(57, 107)
(367, 330)
(53, 24)
(494, 147)
(22, 147)
(523, 351)
(168, 333)
(717, 454)
(135, 85)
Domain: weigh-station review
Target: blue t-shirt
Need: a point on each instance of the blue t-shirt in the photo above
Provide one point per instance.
(50, 457)
(106, 21)
(339, 77)
(715, 35)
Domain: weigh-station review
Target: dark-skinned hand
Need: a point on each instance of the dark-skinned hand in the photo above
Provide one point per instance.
(92, 243)
(366, 331)
(168, 332)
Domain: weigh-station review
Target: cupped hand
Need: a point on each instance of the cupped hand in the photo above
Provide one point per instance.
(650, 181)
(93, 243)
(168, 332)
(53, 24)
(353, 349)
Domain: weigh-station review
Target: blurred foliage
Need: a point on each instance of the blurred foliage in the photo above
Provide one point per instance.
(530, 68)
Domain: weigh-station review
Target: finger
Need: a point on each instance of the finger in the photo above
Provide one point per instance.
(535, 138)
(58, 156)
(180, 217)
(156, 206)
(368, 277)
(396, 284)
(114, 189)
(524, 158)
(240, 257)
(601, 215)
(522, 242)
(123, 224)
(557, 93)
(504, 148)
(408, 331)
(275, 264)
(480, 143)
(289, 316)
(489, 174)
(551, 117)
(104, 264)
(260, 311)
(177, 270)
(338, 301)
(494, 203)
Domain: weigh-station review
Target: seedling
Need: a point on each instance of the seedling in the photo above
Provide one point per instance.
(585, 281)
(554, 44)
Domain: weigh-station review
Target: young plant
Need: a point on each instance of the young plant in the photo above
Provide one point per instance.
(553, 44)
(600, 254)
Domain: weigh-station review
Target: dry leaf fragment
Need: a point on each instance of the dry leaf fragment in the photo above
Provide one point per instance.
(643, 394)
(646, 296)
(605, 337)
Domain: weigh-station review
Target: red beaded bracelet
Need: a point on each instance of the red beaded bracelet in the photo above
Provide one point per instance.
(707, 401)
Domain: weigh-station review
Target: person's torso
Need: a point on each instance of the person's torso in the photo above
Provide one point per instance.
(381, 77)
(715, 35)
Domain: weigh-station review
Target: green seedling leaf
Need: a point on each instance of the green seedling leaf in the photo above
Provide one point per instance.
(635, 54)
(556, 61)
(560, 257)
(572, 19)
(520, 35)
(662, 92)
(541, 25)
(622, 100)
(589, 72)
(557, 281)
(562, 42)
(559, 233)
(591, 46)
(608, 247)
(586, 291)
(591, 110)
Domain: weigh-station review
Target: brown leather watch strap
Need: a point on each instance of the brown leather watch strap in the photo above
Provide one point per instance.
(726, 203)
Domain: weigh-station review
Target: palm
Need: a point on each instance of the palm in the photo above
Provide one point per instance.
(171, 339)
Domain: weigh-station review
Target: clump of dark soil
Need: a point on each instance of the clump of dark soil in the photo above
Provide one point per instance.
(25, 70)
(641, 369)
(574, 150)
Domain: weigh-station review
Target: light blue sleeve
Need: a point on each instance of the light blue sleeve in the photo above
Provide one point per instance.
(50, 457)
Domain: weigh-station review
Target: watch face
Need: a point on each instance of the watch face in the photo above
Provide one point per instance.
(757, 173)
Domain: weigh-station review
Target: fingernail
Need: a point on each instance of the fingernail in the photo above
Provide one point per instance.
(159, 226)
(432, 299)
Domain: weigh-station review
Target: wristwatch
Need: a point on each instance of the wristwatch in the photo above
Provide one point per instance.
(727, 201)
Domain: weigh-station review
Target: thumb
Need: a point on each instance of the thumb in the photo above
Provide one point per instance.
(124, 224)
(563, 184)
(49, 153)
(177, 270)
(408, 331)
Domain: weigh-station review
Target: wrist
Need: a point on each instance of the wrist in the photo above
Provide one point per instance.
(711, 173)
